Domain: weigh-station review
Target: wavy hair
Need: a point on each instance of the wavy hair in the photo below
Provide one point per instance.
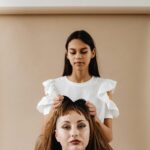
(47, 140)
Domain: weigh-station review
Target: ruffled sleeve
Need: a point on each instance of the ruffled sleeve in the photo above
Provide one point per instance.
(45, 103)
(111, 109)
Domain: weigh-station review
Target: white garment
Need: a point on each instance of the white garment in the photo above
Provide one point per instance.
(94, 90)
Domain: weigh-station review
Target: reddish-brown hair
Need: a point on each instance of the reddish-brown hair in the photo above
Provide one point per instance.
(47, 141)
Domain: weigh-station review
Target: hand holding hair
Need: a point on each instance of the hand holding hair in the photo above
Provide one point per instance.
(92, 108)
(57, 101)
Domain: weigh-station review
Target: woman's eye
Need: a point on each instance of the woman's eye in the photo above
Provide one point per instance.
(72, 53)
(84, 52)
(66, 127)
(81, 52)
(80, 126)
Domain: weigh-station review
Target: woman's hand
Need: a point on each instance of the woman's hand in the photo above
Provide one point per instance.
(57, 101)
(92, 108)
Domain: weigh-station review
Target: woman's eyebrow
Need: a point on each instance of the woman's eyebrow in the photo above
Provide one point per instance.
(66, 122)
(80, 49)
(77, 121)
(72, 49)
(80, 121)
(83, 48)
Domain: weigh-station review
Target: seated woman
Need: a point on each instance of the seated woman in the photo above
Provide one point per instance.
(71, 127)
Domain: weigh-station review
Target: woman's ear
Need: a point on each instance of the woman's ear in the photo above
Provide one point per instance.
(93, 52)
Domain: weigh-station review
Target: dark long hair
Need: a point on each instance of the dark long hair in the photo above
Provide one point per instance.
(87, 39)
(47, 141)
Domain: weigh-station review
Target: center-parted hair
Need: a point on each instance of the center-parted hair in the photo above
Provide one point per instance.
(47, 140)
(85, 37)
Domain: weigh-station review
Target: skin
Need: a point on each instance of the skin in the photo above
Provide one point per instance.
(79, 55)
(70, 127)
(78, 51)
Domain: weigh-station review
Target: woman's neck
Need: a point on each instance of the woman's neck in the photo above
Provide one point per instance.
(79, 77)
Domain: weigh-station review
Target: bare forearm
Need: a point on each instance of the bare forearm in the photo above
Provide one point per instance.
(107, 131)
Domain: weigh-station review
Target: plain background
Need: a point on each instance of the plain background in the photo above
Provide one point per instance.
(32, 50)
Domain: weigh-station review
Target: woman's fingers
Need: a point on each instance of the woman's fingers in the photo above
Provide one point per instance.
(56, 104)
(59, 98)
(92, 108)
(58, 101)
(92, 113)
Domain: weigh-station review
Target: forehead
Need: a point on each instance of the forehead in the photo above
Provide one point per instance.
(72, 117)
(77, 43)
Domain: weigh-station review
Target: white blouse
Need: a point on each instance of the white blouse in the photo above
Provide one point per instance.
(93, 90)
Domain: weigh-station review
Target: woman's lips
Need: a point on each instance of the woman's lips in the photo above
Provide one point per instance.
(75, 142)
(79, 63)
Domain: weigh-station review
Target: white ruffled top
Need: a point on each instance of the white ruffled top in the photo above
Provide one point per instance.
(94, 90)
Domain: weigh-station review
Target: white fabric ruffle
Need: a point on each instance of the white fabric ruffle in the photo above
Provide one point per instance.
(103, 85)
(50, 94)
(49, 88)
(108, 85)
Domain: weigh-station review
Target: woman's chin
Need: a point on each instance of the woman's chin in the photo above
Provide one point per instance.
(76, 147)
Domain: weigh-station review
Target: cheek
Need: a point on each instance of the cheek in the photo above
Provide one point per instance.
(70, 59)
(88, 58)
(86, 135)
(61, 136)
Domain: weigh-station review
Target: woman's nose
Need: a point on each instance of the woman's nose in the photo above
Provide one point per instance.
(78, 55)
(74, 132)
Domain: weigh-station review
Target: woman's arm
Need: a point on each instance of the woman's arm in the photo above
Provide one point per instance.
(107, 125)
(56, 104)
(107, 128)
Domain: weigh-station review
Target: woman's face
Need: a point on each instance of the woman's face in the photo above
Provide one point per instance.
(79, 54)
(72, 131)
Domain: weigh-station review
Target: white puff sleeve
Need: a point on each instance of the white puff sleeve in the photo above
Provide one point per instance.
(45, 103)
(111, 109)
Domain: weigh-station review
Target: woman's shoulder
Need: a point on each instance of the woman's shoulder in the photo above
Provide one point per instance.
(52, 81)
(52, 84)
(105, 84)
(103, 80)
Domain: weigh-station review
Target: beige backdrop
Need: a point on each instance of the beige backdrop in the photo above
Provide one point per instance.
(32, 50)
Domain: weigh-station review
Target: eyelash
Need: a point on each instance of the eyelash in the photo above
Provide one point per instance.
(80, 126)
(80, 52)
(66, 127)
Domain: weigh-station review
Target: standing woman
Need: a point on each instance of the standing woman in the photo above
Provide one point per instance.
(81, 79)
